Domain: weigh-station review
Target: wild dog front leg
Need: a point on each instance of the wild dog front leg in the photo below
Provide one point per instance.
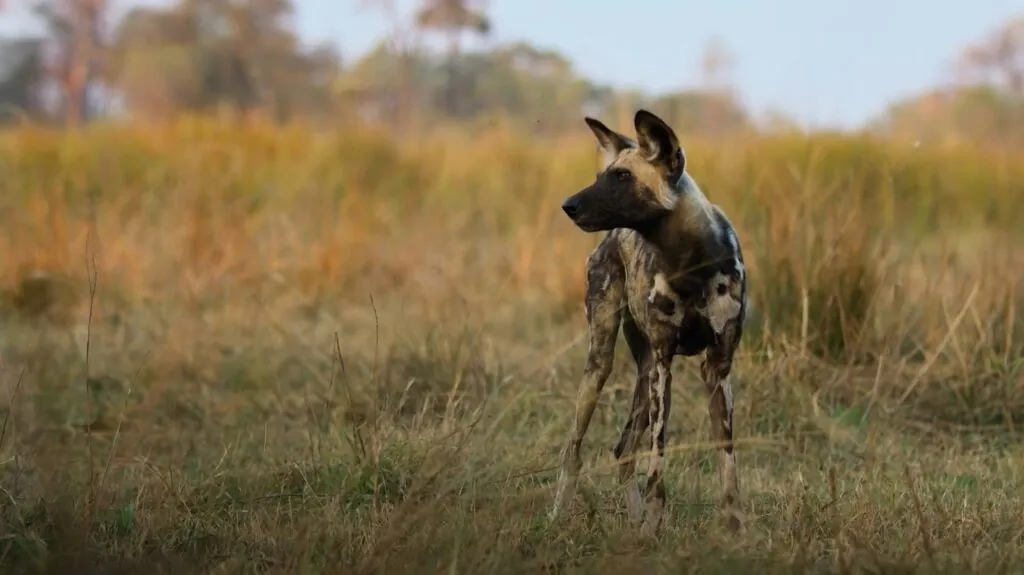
(625, 449)
(603, 314)
(659, 403)
(599, 367)
(637, 423)
(716, 370)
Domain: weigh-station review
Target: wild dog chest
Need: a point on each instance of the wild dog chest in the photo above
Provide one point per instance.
(695, 308)
(672, 300)
(665, 302)
(658, 308)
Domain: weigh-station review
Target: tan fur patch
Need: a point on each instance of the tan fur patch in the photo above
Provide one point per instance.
(726, 385)
(695, 212)
(647, 175)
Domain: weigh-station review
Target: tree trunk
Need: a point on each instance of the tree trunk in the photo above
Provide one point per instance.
(405, 96)
(85, 15)
(452, 90)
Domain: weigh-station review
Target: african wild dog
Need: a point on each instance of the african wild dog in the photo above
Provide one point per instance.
(671, 272)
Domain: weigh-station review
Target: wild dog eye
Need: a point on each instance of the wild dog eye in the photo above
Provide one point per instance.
(623, 175)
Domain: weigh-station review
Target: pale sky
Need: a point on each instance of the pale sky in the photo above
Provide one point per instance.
(825, 62)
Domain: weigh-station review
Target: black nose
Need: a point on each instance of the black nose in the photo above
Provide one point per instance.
(570, 206)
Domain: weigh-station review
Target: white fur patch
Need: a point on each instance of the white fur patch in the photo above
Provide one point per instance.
(652, 150)
(657, 391)
(661, 288)
(721, 309)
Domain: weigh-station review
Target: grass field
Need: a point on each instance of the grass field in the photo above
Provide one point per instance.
(235, 348)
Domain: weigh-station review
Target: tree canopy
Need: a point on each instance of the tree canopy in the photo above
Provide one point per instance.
(203, 55)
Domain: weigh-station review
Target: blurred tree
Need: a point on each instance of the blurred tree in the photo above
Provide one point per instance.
(516, 81)
(21, 79)
(74, 51)
(453, 18)
(201, 54)
(521, 81)
(403, 41)
(196, 55)
(778, 121)
(701, 111)
(717, 100)
(68, 55)
(985, 104)
(156, 63)
(998, 59)
(539, 89)
(384, 84)
(977, 114)
(716, 64)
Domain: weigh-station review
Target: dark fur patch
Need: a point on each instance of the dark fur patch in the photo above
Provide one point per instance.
(615, 200)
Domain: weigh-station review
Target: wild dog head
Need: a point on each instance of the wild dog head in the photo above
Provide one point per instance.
(637, 184)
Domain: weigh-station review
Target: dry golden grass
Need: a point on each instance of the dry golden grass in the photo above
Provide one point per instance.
(234, 347)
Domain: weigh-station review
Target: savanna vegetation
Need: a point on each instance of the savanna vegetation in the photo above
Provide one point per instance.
(256, 343)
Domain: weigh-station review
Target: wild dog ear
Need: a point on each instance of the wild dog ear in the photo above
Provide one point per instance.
(659, 142)
(610, 141)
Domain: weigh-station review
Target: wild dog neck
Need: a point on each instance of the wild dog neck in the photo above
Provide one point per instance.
(677, 233)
